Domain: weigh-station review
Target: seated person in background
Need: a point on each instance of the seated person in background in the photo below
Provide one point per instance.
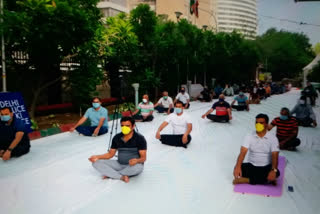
(144, 111)
(132, 153)
(98, 117)
(304, 113)
(217, 91)
(205, 95)
(287, 130)
(311, 93)
(236, 88)
(183, 97)
(261, 92)
(268, 90)
(14, 139)
(254, 97)
(262, 165)
(243, 102)
(165, 104)
(181, 125)
(223, 111)
(228, 90)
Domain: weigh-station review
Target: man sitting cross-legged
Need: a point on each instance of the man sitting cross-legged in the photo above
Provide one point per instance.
(243, 102)
(287, 130)
(263, 148)
(223, 111)
(181, 125)
(132, 153)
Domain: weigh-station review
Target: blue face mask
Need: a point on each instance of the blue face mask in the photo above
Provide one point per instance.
(284, 117)
(178, 110)
(221, 100)
(96, 105)
(5, 118)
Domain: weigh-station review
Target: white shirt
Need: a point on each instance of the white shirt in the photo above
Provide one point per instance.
(260, 149)
(165, 103)
(178, 123)
(183, 97)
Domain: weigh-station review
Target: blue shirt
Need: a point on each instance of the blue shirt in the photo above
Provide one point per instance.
(241, 100)
(95, 116)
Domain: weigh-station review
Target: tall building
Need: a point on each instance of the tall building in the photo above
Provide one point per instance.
(217, 15)
(113, 7)
(239, 15)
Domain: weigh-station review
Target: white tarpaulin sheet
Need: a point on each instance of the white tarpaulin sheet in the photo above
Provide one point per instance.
(56, 176)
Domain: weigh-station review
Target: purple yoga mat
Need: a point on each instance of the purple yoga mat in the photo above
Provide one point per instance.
(268, 189)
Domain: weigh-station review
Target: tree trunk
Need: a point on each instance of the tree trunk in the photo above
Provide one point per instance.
(37, 93)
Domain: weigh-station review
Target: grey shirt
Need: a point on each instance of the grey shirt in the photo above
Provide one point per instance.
(303, 111)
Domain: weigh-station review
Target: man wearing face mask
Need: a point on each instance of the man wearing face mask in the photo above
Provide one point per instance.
(144, 111)
(183, 97)
(263, 153)
(223, 111)
(132, 153)
(165, 104)
(243, 102)
(182, 127)
(14, 139)
(287, 130)
(98, 117)
(304, 113)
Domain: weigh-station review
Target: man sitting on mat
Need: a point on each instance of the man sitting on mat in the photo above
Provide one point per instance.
(132, 153)
(287, 130)
(304, 113)
(223, 111)
(243, 102)
(144, 111)
(262, 165)
(14, 139)
(165, 104)
(181, 125)
(98, 117)
(183, 97)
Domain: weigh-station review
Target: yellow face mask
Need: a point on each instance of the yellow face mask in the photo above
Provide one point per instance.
(259, 127)
(125, 130)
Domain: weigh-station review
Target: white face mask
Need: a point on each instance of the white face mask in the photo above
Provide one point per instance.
(144, 100)
(302, 102)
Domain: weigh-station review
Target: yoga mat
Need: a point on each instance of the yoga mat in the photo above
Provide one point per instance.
(267, 189)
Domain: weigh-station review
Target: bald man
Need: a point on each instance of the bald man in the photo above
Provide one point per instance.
(223, 111)
(144, 111)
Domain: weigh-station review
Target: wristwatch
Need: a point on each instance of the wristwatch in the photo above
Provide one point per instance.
(274, 169)
(9, 149)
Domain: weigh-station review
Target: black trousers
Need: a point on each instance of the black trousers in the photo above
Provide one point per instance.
(306, 122)
(293, 143)
(256, 174)
(239, 108)
(140, 117)
(174, 140)
(18, 151)
(161, 109)
(219, 119)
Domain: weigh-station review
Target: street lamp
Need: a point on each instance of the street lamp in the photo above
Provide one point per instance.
(178, 14)
(4, 81)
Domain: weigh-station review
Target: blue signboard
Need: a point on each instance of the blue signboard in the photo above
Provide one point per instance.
(15, 101)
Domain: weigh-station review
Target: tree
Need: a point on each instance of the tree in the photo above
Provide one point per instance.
(48, 32)
(316, 48)
(287, 53)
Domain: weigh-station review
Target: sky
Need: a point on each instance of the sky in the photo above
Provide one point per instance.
(306, 12)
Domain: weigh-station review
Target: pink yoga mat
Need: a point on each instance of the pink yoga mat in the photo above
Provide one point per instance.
(268, 189)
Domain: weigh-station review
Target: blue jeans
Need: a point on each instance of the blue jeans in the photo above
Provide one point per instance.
(88, 130)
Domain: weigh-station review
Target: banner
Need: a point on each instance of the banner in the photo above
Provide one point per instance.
(15, 101)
